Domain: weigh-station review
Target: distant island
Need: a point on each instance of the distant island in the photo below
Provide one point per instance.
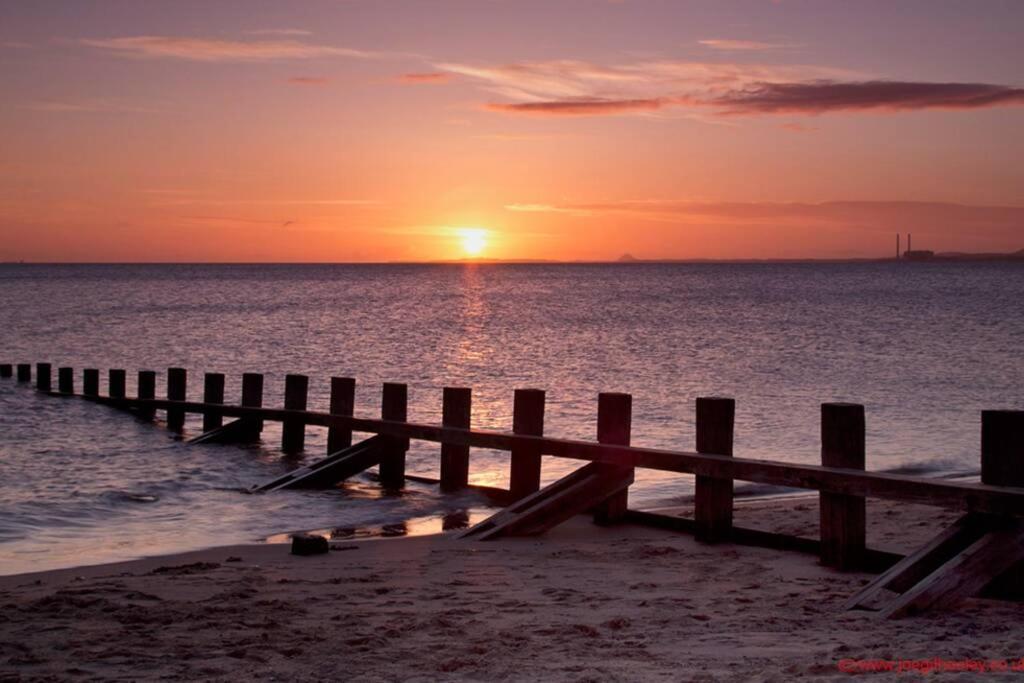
(910, 257)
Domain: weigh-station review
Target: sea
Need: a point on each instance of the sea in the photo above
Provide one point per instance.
(924, 346)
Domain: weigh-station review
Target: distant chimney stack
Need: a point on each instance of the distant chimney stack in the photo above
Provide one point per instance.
(897, 246)
(909, 243)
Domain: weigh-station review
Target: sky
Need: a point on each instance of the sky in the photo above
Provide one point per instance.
(417, 130)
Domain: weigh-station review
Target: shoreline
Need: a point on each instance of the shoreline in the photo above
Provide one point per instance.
(580, 603)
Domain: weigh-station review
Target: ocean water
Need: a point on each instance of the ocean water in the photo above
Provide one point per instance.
(925, 347)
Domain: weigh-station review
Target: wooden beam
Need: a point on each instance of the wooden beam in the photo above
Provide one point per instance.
(875, 560)
(456, 412)
(233, 432)
(713, 499)
(965, 574)
(343, 402)
(394, 408)
(614, 421)
(542, 510)
(843, 517)
(928, 491)
(525, 460)
(213, 392)
(915, 567)
(330, 470)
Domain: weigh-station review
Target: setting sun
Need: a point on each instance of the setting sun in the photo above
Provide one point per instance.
(474, 241)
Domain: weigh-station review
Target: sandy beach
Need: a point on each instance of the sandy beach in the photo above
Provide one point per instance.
(583, 603)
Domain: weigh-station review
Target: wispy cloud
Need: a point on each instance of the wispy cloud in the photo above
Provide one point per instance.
(308, 80)
(430, 78)
(880, 216)
(578, 107)
(541, 208)
(280, 32)
(740, 45)
(91, 105)
(212, 50)
(577, 88)
(825, 96)
(200, 201)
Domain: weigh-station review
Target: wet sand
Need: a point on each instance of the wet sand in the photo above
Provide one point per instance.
(580, 604)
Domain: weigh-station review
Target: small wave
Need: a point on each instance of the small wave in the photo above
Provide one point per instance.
(129, 497)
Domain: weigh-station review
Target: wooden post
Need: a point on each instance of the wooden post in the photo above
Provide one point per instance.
(525, 461)
(614, 421)
(24, 372)
(456, 409)
(842, 516)
(343, 402)
(147, 390)
(213, 392)
(177, 390)
(293, 432)
(394, 406)
(1002, 447)
(252, 397)
(66, 380)
(713, 500)
(6, 370)
(44, 377)
(1002, 464)
(90, 382)
(116, 383)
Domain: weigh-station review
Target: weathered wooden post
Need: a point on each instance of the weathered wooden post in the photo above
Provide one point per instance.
(1002, 447)
(252, 397)
(456, 411)
(343, 402)
(116, 380)
(394, 407)
(213, 392)
(24, 372)
(293, 432)
(44, 377)
(66, 380)
(527, 419)
(843, 517)
(1002, 464)
(6, 370)
(177, 390)
(614, 421)
(90, 382)
(147, 390)
(713, 500)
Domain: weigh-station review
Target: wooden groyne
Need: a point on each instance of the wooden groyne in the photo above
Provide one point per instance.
(984, 550)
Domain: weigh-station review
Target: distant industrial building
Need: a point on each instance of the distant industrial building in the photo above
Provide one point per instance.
(910, 254)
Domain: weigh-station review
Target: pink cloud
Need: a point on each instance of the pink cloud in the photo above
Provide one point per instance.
(578, 107)
(432, 78)
(308, 80)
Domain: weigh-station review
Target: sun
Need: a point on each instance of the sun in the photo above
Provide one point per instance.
(474, 241)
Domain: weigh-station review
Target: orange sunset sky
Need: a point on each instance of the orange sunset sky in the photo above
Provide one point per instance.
(380, 130)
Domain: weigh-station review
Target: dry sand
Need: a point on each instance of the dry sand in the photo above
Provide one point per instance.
(581, 604)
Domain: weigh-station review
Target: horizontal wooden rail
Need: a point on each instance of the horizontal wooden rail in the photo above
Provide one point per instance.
(956, 495)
